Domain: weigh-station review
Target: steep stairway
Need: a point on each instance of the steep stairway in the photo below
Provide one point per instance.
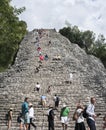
(18, 82)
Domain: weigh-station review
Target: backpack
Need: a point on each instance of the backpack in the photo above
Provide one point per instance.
(85, 115)
(75, 116)
(6, 116)
(19, 118)
(51, 115)
(57, 99)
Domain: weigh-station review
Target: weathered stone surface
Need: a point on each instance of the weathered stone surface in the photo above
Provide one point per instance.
(89, 78)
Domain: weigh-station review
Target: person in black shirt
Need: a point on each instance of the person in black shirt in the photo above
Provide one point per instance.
(56, 100)
(50, 118)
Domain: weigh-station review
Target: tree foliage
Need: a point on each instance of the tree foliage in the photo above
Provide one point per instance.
(12, 31)
(86, 40)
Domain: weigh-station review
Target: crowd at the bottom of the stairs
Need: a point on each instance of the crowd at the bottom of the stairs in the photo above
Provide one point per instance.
(81, 114)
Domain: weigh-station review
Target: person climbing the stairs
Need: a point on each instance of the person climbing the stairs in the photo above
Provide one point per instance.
(25, 114)
(9, 118)
(49, 89)
(43, 101)
(79, 121)
(70, 78)
(31, 116)
(41, 58)
(64, 116)
(51, 118)
(37, 87)
(56, 100)
(91, 114)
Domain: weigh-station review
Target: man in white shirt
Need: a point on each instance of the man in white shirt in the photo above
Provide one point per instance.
(31, 116)
(91, 114)
(37, 87)
(70, 78)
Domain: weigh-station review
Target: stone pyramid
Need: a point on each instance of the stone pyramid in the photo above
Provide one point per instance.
(19, 80)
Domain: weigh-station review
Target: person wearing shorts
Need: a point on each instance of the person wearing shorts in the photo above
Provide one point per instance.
(64, 116)
(25, 114)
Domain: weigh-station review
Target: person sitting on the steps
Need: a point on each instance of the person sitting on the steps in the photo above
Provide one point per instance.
(57, 57)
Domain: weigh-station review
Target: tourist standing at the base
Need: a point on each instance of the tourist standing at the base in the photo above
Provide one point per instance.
(50, 118)
(64, 116)
(79, 123)
(31, 116)
(9, 118)
(91, 114)
(25, 114)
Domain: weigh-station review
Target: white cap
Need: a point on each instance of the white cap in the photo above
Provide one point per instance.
(30, 104)
(64, 105)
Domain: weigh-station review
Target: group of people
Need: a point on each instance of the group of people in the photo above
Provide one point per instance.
(87, 112)
(78, 116)
(39, 49)
(26, 117)
(63, 116)
(27, 113)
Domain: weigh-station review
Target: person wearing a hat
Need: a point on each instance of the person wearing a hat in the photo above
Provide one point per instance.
(9, 118)
(64, 116)
(31, 116)
(51, 118)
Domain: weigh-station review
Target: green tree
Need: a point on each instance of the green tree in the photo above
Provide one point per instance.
(73, 34)
(12, 30)
(86, 40)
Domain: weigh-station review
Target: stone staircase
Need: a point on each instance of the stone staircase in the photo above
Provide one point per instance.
(18, 82)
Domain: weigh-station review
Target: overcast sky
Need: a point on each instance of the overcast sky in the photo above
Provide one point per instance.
(86, 14)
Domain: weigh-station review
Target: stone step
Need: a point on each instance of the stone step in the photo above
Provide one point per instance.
(19, 81)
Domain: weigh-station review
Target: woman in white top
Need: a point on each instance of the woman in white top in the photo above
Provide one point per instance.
(79, 125)
(31, 116)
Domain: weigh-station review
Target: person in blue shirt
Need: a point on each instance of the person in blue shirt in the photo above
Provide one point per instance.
(43, 101)
(25, 113)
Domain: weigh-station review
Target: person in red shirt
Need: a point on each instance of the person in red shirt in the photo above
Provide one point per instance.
(41, 57)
